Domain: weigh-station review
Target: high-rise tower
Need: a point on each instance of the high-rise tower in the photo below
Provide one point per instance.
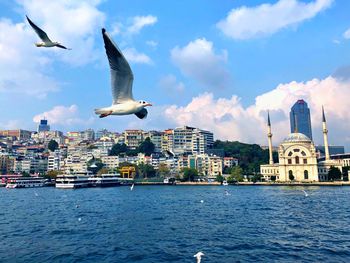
(43, 126)
(269, 135)
(300, 118)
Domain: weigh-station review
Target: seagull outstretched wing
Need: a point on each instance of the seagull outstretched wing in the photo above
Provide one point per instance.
(121, 74)
(43, 36)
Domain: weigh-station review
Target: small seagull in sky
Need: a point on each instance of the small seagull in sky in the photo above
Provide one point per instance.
(202, 201)
(199, 256)
(46, 42)
(121, 82)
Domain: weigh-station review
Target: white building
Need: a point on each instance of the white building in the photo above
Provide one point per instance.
(297, 159)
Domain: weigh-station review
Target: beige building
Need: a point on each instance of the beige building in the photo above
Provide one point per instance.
(298, 159)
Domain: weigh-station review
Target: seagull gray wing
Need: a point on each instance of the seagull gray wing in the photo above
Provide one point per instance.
(39, 32)
(121, 74)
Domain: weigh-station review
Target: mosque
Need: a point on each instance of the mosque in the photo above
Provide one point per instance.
(297, 158)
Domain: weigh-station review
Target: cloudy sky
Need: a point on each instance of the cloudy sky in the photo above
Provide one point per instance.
(216, 66)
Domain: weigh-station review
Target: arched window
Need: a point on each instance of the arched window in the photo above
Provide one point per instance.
(290, 175)
(297, 159)
(306, 175)
(303, 153)
(290, 154)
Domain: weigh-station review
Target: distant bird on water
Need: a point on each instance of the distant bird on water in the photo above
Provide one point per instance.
(306, 194)
(132, 187)
(46, 42)
(121, 82)
(199, 256)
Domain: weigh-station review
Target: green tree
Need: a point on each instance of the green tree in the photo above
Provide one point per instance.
(94, 165)
(334, 174)
(103, 170)
(236, 175)
(146, 170)
(25, 174)
(118, 149)
(256, 178)
(52, 174)
(220, 178)
(346, 173)
(189, 174)
(52, 146)
(146, 147)
(163, 170)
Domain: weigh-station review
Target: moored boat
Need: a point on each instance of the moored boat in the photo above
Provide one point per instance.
(105, 180)
(25, 182)
(72, 181)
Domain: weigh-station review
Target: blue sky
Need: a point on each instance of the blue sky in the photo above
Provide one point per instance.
(214, 65)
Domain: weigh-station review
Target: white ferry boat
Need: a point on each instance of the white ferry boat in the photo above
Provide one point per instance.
(105, 180)
(25, 182)
(72, 181)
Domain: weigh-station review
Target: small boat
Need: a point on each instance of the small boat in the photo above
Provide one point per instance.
(225, 183)
(25, 182)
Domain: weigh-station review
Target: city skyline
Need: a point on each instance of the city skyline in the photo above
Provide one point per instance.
(241, 76)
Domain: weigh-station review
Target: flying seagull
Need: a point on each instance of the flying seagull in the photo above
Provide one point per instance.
(46, 42)
(121, 82)
(132, 187)
(199, 256)
(306, 194)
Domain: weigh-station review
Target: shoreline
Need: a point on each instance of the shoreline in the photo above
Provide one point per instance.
(249, 184)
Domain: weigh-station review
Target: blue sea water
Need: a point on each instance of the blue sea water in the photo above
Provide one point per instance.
(171, 224)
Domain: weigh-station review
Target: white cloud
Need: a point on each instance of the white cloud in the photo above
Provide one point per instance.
(139, 22)
(346, 34)
(73, 23)
(23, 68)
(152, 43)
(198, 60)
(170, 84)
(134, 25)
(133, 56)
(11, 125)
(62, 115)
(266, 19)
(229, 119)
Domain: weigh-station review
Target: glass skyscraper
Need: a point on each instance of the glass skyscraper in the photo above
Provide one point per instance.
(300, 120)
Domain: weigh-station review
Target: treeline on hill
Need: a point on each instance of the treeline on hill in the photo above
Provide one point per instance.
(250, 156)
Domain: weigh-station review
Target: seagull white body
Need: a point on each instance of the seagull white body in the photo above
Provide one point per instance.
(306, 194)
(46, 41)
(121, 83)
(199, 256)
(132, 187)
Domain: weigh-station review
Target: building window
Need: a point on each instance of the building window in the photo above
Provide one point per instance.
(290, 154)
(290, 174)
(296, 150)
(305, 161)
(306, 175)
(297, 159)
(303, 153)
(289, 161)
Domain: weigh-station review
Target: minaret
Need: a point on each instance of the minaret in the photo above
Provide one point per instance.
(269, 135)
(325, 137)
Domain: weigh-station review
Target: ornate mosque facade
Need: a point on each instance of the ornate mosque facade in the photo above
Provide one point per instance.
(297, 158)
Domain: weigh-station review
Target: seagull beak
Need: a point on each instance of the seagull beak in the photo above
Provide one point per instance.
(148, 104)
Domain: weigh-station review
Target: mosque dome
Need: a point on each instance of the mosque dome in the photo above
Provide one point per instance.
(296, 137)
